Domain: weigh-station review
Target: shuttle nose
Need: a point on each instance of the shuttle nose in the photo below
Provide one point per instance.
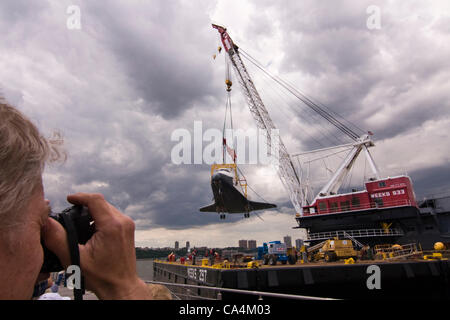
(216, 178)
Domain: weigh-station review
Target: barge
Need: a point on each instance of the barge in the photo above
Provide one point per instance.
(415, 279)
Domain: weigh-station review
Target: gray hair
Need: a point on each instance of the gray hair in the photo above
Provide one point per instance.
(23, 154)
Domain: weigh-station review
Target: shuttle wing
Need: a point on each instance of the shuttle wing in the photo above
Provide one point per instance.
(253, 206)
(211, 208)
(260, 205)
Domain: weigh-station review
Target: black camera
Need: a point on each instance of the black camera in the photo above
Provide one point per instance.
(79, 226)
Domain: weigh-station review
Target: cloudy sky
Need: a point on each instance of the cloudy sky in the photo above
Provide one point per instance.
(118, 78)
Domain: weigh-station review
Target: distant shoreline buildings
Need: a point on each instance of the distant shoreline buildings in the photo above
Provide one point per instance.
(288, 241)
(243, 244)
(247, 244)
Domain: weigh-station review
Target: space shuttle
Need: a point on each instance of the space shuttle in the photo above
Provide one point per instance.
(228, 198)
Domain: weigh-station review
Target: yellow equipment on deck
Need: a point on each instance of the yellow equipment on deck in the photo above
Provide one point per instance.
(335, 249)
(433, 256)
(252, 264)
(439, 246)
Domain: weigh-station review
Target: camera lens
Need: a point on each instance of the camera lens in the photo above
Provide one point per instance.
(82, 228)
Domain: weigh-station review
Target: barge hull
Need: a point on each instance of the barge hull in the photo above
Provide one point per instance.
(398, 280)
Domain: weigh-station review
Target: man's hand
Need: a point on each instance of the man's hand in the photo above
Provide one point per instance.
(108, 259)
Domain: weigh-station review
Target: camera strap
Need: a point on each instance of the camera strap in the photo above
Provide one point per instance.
(72, 239)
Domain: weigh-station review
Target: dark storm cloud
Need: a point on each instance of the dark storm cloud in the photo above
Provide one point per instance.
(163, 49)
(14, 12)
(347, 63)
(431, 182)
(390, 80)
(136, 71)
(183, 196)
(108, 88)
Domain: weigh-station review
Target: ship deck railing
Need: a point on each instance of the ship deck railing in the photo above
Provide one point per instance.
(360, 233)
(261, 294)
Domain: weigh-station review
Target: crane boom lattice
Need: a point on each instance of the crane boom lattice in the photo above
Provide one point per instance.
(286, 169)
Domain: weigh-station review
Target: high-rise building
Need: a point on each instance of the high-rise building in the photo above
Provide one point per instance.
(187, 245)
(298, 243)
(177, 245)
(288, 241)
(252, 244)
(243, 244)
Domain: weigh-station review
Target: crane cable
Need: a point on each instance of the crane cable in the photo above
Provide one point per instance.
(228, 110)
(327, 115)
(313, 116)
(305, 99)
(242, 174)
(229, 83)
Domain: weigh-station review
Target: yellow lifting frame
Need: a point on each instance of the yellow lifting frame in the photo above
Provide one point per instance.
(233, 166)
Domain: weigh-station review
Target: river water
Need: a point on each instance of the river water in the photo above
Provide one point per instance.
(145, 268)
